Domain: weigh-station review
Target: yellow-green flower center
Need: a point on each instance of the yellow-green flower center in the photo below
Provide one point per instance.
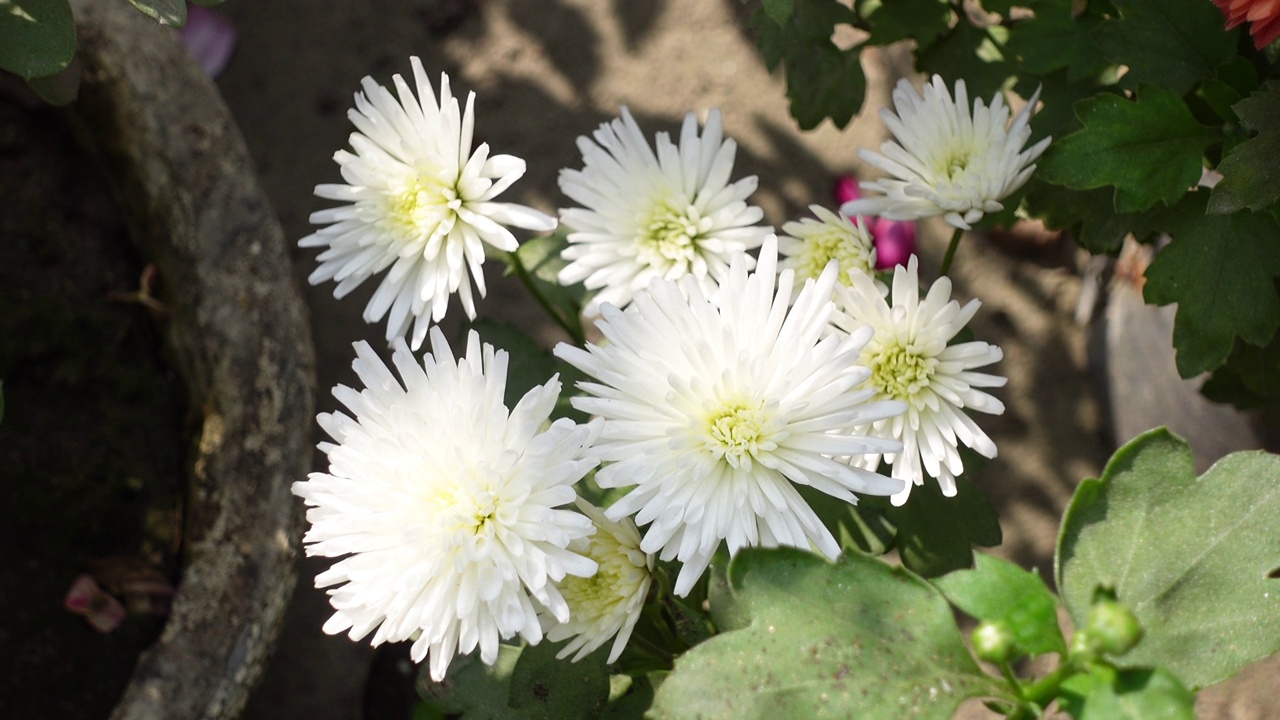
(669, 235)
(831, 243)
(738, 432)
(419, 208)
(622, 570)
(900, 372)
(955, 161)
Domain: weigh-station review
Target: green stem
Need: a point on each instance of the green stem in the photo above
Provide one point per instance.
(572, 325)
(951, 251)
(1044, 690)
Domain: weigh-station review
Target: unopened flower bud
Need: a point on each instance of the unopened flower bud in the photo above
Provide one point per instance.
(994, 642)
(1112, 627)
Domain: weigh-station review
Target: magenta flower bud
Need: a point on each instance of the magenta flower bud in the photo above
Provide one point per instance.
(845, 189)
(895, 242)
(209, 37)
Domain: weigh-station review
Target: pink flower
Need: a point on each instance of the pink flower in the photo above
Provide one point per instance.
(895, 240)
(210, 38)
(1264, 14)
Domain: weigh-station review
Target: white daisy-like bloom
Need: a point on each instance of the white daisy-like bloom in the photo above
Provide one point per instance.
(608, 604)
(810, 243)
(448, 508)
(910, 361)
(420, 202)
(946, 161)
(715, 409)
(645, 215)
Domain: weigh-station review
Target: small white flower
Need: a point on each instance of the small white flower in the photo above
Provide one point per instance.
(716, 409)
(446, 506)
(944, 160)
(647, 215)
(607, 604)
(419, 202)
(911, 361)
(810, 244)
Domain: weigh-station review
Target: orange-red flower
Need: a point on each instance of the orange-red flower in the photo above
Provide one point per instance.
(1263, 14)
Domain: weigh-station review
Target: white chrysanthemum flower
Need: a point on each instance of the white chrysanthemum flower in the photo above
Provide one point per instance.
(607, 604)
(447, 506)
(809, 244)
(715, 409)
(946, 161)
(647, 215)
(911, 361)
(420, 202)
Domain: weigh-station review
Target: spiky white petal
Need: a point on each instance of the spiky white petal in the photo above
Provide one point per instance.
(419, 204)
(607, 604)
(945, 160)
(447, 507)
(716, 408)
(645, 215)
(810, 243)
(911, 361)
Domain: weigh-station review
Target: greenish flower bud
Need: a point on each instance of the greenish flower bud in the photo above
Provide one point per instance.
(1112, 628)
(994, 642)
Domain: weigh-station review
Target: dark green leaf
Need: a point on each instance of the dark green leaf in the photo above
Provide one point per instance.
(37, 37)
(630, 702)
(1151, 149)
(1251, 173)
(172, 13)
(538, 262)
(1249, 378)
(1055, 39)
(551, 689)
(1105, 693)
(473, 690)
(969, 53)
(779, 11)
(1171, 43)
(530, 365)
(896, 20)
(862, 526)
(1190, 556)
(935, 533)
(999, 591)
(856, 638)
(823, 81)
(1221, 271)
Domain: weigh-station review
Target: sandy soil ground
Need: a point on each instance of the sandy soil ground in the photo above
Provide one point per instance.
(547, 71)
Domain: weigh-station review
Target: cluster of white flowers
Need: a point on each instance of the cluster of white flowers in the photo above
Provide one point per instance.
(724, 382)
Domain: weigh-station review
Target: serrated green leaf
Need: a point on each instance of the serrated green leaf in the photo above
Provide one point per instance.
(969, 53)
(37, 37)
(823, 81)
(935, 534)
(779, 11)
(896, 20)
(1220, 270)
(172, 13)
(551, 689)
(1251, 173)
(472, 690)
(1150, 149)
(1056, 39)
(1191, 557)
(854, 638)
(1105, 693)
(1249, 378)
(1171, 43)
(999, 591)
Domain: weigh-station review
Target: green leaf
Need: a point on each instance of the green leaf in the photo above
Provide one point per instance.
(862, 526)
(172, 13)
(1194, 558)
(896, 20)
(1251, 173)
(629, 698)
(779, 11)
(935, 533)
(1151, 149)
(1171, 43)
(551, 689)
(472, 690)
(1105, 693)
(530, 365)
(1056, 39)
(37, 37)
(856, 638)
(1221, 271)
(999, 591)
(970, 53)
(537, 261)
(823, 81)
(1249, 378)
